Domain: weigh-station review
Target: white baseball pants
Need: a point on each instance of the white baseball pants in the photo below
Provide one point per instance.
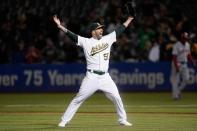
(179, 79)
(90, 84)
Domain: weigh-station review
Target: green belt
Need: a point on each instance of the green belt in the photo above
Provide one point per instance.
(183, 62)
(96, 72)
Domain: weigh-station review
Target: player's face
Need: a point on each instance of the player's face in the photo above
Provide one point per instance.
(98, 33)
(185, 36)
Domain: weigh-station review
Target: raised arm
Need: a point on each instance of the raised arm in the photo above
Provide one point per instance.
(128, 21)
(122, 28)
(70, 34)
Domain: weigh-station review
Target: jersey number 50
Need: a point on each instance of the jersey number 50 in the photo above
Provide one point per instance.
(106, 56)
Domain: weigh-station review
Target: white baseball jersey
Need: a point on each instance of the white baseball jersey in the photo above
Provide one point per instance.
(181, 51)
(97, 52)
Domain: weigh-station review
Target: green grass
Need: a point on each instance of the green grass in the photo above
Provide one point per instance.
(147, 112)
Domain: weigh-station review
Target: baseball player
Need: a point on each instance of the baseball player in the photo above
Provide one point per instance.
(179, 71)
(97, 54)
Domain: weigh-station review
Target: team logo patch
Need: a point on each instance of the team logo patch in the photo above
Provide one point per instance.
(98, 48)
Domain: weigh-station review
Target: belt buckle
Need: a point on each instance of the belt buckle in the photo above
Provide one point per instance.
(96, 71)
(183, 62)
(99, 72)
(90, 70)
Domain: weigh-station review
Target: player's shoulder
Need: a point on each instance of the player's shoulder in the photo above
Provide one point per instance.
(83, 41)
(187, 43)
(81, 38)
(177, 44)
(109, 34)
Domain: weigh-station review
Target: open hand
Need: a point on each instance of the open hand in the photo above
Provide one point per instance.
(56, 20)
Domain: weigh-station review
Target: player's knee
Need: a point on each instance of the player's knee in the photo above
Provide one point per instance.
(79, 100)
(186, 79)
(116, 98)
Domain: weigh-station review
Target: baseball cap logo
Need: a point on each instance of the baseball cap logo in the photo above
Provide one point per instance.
(95, 26)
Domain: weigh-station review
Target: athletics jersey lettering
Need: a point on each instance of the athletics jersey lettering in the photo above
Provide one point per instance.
(97, 52)
(98, 48)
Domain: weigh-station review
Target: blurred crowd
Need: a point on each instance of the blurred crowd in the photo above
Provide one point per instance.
(29, 35)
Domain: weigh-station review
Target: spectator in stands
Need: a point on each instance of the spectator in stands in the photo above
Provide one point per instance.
(49, 52)
(18, 54)
(33, 55)
(31, 22)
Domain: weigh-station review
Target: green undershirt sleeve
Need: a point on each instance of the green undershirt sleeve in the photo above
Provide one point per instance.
(72, 36)
(120, 30)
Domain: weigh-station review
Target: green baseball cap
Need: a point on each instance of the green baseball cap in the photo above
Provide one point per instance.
(95, 26)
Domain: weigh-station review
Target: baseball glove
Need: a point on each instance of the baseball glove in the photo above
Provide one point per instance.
(129, 9)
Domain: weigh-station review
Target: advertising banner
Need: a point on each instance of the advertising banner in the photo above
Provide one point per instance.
(143, 76)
